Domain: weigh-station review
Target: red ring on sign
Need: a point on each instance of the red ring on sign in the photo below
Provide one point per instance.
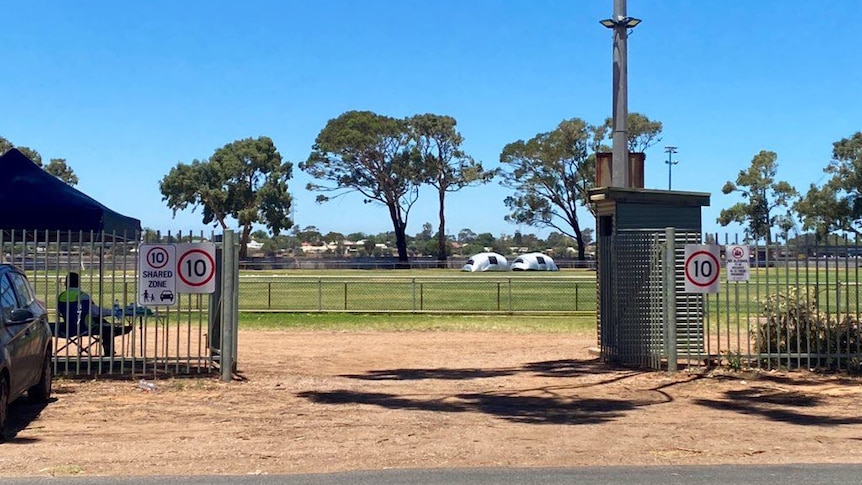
(161, 249)
(182, 258)
(737, 252)
(717, 269)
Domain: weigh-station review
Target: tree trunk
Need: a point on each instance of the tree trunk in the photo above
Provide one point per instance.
(243, 242)
(441, 231)
(400, 237)
(580, 239)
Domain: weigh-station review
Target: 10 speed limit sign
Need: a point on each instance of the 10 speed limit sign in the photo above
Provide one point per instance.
(196, 268)
(702, 268)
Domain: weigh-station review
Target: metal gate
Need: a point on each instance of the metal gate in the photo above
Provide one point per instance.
(197, 335)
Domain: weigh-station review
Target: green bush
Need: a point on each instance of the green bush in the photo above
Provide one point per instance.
(792, 322)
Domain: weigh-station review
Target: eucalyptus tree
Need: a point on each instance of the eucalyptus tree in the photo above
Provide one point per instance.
(642, 131)
(447, 167)
(372, 154)
(60, 169)
(763, 196)
(550, 175)
(245, 180)
(837, 205)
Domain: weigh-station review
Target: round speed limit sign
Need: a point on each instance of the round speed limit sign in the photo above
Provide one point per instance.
(702, 268)
(195, 269)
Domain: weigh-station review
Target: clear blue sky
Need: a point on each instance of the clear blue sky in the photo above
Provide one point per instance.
(126, 89)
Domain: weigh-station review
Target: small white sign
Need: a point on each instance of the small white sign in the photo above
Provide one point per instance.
(738, 264)
(702, 268)
(157, 282)
(196, 268)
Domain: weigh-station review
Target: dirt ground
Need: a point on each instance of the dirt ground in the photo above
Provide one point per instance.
(329, 401)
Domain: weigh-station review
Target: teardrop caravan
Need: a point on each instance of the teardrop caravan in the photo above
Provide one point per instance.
(486, 262)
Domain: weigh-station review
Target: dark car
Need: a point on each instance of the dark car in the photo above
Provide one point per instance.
(25, 342)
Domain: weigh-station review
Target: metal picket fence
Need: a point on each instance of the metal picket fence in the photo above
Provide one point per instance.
(181, 339)
(800, 308)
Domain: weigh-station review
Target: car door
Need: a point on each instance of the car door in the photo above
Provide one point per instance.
(35, 335)
(14, 337)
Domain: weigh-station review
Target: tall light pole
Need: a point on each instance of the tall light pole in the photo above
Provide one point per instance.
(670, 150)
(620, 161)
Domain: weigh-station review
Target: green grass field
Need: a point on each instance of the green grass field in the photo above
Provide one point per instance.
(578, 324)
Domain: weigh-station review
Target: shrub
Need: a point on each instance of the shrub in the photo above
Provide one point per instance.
(793, 323)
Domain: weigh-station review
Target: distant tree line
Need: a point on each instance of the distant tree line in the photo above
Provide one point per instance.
(422, 244)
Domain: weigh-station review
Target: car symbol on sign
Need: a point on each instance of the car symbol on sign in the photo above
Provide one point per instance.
(166, 295)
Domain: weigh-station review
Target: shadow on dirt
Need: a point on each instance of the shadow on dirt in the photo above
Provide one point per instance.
(21, 415)
(520, 406)
(776, 405)
(519, 409)
(552, 368)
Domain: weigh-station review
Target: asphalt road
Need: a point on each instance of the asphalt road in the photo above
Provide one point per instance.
(676, 475)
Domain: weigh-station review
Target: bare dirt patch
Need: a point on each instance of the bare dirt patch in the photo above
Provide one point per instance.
(328, 401)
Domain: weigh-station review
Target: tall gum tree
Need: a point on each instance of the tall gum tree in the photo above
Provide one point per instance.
(550, 175)
(245, 180)
(447, 167)
(364, 152)
(763, 196)
(837, 205)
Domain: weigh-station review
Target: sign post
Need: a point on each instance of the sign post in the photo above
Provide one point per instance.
(702, 268)
(738, 264)
(157, 284)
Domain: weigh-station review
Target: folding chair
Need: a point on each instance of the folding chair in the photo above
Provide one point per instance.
(75, 326)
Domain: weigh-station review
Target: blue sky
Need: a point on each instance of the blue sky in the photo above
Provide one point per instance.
(126, 89)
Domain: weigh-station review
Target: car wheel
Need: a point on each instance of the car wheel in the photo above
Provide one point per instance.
(42, 390)
(4, 405)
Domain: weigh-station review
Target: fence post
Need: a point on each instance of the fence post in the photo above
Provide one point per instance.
(230, 315)
(669, 272)
(498, 296)
(413, 288)
(319, 294)
(510, 295)
(269, 295)
(576, 295)
(345, 295)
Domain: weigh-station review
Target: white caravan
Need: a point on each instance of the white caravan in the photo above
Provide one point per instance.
(486, 262)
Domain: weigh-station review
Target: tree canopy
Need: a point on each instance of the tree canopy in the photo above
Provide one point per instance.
(245, 180)
(447, 167)
(642, 132)
(837, 205)
(365, 152)
(550, 175)
(763, 197)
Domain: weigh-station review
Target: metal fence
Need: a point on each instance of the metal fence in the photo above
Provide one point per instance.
(468, 294)
(180, 339)
(799, 309)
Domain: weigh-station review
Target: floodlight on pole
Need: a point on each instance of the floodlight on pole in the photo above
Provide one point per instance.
(620, 23)
(670, 150)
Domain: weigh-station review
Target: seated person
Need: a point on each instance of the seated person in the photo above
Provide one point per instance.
(72, 298)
